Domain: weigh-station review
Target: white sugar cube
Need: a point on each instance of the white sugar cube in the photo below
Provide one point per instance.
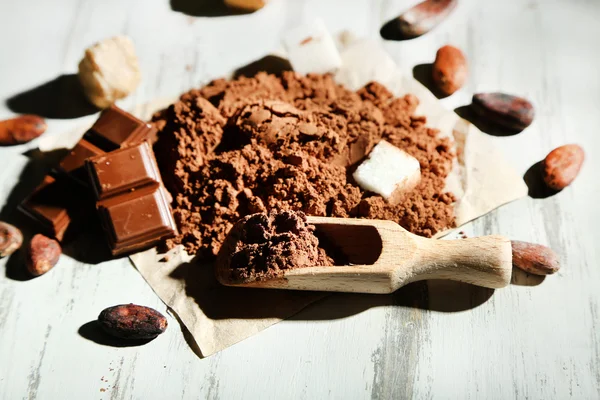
(311, 48)
(364, 61)
(388, 171)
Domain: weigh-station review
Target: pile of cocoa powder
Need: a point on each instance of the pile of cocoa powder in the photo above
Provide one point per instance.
(269, 244)
(291, 142)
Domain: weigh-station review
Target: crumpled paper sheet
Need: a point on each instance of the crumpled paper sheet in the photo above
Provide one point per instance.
(218, 317)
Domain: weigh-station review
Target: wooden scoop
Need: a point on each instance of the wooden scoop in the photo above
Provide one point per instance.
(385, 257)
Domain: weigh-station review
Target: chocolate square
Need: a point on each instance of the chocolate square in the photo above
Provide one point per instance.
(122, 170)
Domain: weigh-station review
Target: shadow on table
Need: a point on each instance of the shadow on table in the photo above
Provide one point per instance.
(93, 331)
(534, 181)
(392, 30)
(88, 245)
(271, 64)
(222, 302)
(204, 8)
(424, 74)
(60, 98)
(440, 296)
(522, 278)
(434, 295)
(467, 112)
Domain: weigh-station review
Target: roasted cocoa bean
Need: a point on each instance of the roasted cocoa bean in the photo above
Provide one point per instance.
(42, 255)
(130, 321)
(21, 129)
(562, 165)
(508, 111)
(534, 258)
(246, 5)
(449, 69)
(11, 239)
(418, 20)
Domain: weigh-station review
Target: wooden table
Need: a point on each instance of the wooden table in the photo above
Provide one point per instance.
(536, 340)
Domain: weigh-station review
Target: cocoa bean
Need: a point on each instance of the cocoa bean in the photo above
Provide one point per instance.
(562, 165)
(246, 5)
(21, 129)
(130, 321)
(508, 111)
(11, 239)
(534, 258)
(449, 69)
(42, 255)
(418, 20)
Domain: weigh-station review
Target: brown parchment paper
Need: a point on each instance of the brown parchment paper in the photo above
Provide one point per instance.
(218, 317)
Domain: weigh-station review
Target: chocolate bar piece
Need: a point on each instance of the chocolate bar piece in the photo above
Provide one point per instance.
(116, 128)
(73, 163)
(137, 220)
(113, 129)
(133, 203)
(53, 206)
(120, 171)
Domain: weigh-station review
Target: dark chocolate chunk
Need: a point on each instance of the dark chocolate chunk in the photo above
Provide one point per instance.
(54, 204)
(122, 170)
(54, 201)
(116, 128)
(134, 205)
(73, 163)
(137, 220)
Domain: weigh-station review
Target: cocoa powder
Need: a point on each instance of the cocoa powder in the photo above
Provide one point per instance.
(269, 244)
(234, 148)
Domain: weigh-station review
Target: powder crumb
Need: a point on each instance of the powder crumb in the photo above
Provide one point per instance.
(291, 142)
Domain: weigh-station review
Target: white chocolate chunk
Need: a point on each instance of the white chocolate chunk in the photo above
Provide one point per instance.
(109, 71)
(246, 5)
(388, 171)
(311, 48)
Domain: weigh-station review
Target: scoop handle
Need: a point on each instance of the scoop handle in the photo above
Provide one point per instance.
(483, 261)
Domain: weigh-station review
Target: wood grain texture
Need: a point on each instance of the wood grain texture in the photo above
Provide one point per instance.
(537, 339)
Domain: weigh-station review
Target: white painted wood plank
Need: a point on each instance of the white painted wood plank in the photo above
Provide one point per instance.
(536, 342)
